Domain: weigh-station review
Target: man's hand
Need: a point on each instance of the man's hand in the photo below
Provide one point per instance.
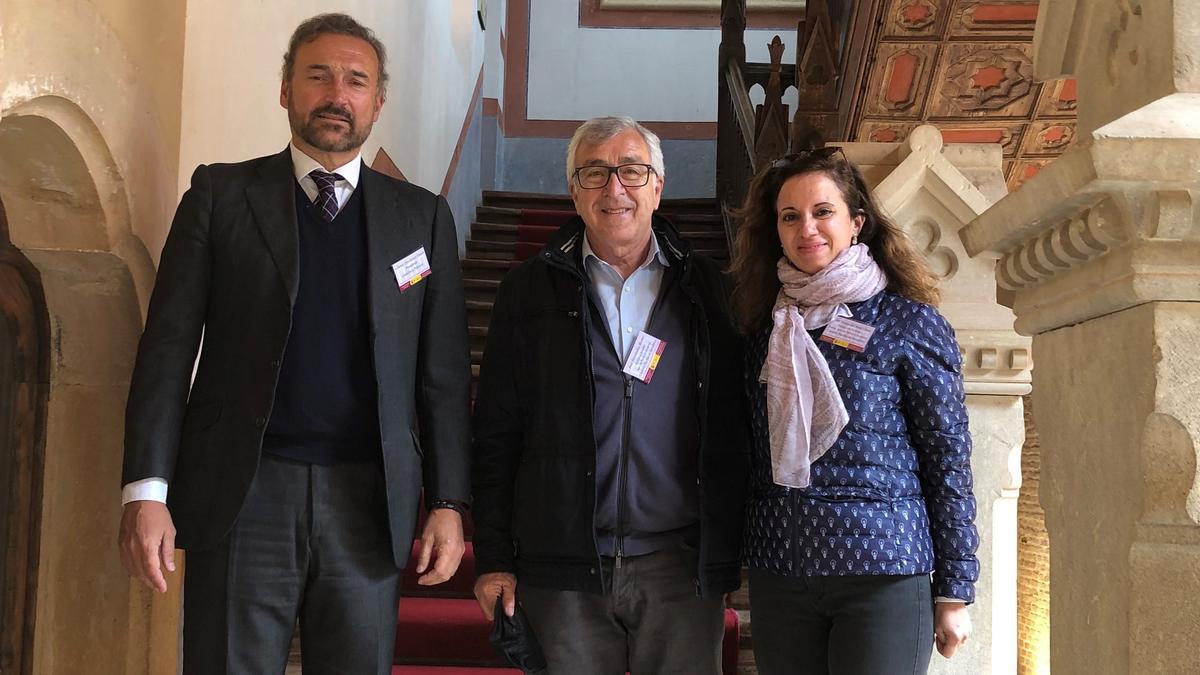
(951, 627)
(147, 538)
(442, 541)
(492, 585)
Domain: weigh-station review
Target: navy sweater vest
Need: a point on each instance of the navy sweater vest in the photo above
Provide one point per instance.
(326, 398)
(647, 439)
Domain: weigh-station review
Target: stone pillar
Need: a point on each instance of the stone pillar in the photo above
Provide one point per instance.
(1099, 257)
(932, 191)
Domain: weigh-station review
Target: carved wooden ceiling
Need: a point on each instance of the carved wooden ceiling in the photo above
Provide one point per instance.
(964, 66)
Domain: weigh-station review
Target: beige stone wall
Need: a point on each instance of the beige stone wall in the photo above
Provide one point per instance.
(89, 137)
(1033, 559)
(120, 65)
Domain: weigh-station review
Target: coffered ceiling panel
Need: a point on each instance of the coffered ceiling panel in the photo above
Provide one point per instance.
(965, 66)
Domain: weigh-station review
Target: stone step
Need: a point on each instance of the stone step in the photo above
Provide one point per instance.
(483, 268)
(481, 289)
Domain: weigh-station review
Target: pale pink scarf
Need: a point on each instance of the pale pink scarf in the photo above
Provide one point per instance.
(805, 412)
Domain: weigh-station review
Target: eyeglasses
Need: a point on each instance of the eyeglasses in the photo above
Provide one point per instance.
(629, 175)
(824, 152)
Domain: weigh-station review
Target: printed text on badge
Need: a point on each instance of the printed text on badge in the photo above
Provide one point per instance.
(644, 357)
(848, 333)
(411, 269)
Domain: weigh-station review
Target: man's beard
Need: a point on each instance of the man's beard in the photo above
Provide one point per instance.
(318, 133)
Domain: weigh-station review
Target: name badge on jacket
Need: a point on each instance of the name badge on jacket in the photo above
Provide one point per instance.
(848, 333)
(411, 269)
(644, 357)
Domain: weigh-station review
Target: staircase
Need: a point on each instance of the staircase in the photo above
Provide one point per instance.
(441, 629)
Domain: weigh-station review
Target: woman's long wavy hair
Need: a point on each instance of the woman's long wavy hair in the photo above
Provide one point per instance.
(758, 248)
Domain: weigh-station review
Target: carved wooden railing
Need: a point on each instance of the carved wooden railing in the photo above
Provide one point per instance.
(831, 38)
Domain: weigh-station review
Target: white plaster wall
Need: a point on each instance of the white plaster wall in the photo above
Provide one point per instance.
(574, 73)
(232, 60)
(493, 77)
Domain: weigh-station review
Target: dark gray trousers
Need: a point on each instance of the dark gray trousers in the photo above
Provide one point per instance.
(311, 543)
(652, 623)
(851, 625)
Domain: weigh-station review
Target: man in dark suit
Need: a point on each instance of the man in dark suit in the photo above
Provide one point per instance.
(333, 377)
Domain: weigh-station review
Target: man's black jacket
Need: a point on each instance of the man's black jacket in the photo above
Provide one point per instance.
(230, 271)
(534, 462)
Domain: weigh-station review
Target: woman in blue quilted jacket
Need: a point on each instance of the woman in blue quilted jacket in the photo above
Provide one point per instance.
(860, 536)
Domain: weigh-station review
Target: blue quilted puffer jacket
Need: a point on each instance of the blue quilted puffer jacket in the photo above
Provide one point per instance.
(893, 494)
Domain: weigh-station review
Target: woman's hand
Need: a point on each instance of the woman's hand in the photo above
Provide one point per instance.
(951, 626)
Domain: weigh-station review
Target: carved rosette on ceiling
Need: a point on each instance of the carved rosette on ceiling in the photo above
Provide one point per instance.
(965, 66)
(1051, 137)
(989, 79)
(915, 15)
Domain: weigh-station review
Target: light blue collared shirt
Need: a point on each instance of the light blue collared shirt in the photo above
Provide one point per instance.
(626, 303)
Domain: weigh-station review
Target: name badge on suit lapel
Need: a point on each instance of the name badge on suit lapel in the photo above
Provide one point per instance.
(411, 269)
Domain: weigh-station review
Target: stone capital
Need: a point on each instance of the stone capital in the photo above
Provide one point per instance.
(1114, 223)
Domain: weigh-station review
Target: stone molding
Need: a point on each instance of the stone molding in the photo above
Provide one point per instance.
(995, 362)
(932, 189)
(1111, 225)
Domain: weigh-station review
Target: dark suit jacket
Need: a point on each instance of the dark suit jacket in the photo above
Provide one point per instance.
(229, 272)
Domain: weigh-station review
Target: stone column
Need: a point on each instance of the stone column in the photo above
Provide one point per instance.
(1099, 257)
(932, 191)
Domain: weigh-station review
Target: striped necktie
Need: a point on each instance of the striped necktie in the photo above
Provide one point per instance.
(326, 199)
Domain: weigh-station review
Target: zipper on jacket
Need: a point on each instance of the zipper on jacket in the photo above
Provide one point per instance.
(623, 467)
(701, 352)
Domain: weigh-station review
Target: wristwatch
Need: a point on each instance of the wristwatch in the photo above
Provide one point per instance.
(460, 507)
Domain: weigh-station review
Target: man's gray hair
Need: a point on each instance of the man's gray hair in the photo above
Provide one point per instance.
(599, 129)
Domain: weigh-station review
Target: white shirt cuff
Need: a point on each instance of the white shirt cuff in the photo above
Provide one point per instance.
(148, 489)
(936, 600)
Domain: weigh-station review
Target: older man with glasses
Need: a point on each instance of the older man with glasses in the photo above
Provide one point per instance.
(610, 463)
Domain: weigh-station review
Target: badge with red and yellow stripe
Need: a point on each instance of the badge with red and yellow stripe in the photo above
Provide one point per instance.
(644, 357)
(411, 269)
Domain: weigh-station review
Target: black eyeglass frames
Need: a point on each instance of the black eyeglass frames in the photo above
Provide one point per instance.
(597, 176)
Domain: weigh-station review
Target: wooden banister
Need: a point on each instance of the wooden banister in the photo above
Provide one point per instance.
(830, 43)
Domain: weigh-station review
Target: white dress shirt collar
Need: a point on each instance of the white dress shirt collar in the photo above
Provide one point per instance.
(302, 165)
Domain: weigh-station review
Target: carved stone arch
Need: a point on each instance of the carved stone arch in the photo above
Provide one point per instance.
(68, 213)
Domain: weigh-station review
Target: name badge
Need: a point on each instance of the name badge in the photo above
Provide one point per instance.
(644, 357)
(411, 269)
(848, 333)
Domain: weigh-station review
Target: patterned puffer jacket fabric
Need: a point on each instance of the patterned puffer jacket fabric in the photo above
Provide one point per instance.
(893, 493)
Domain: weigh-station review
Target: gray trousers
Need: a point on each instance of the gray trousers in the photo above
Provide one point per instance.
(651, 623)
(311, 544)
(851, 625)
